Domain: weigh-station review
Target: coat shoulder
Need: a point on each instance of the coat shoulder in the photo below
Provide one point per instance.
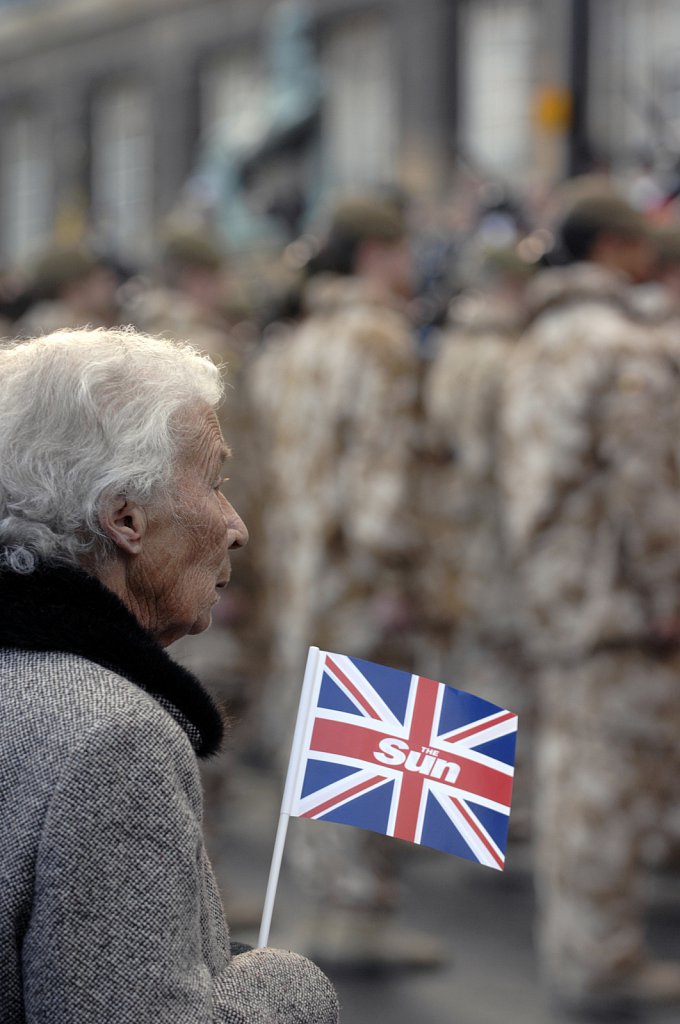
(51, 701)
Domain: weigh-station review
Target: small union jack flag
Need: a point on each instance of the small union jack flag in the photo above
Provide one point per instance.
(405, 756)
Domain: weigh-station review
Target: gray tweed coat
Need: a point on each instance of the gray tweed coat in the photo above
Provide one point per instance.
(108, 907)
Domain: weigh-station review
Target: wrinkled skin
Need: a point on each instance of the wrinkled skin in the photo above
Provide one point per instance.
(173, 558)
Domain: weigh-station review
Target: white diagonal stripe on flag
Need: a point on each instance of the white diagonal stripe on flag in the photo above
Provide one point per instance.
(456, 735)
(357, 679)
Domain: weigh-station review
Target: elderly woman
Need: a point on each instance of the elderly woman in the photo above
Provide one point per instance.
(114, 541)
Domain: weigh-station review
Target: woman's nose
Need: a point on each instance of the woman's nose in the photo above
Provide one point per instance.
(238, 531)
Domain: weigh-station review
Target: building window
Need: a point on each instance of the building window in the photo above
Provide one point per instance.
(635, 79)
(361, 117)
(26, 188)
(497, 85)
(122, 171)
(234, 101)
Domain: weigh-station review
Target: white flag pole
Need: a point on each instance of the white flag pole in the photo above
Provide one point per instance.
(291, 787)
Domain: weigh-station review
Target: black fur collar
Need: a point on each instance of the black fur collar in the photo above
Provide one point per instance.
(68, 610)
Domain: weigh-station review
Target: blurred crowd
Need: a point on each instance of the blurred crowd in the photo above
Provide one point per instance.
(457, 448)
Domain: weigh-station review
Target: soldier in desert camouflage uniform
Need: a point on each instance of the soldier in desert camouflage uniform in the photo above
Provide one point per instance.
(591, 469)
(465, 580)
(337, 402)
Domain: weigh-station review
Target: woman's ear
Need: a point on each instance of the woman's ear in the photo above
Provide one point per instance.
(125, 523)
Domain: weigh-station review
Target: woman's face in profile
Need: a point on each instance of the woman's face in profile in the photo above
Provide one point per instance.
(184, 561)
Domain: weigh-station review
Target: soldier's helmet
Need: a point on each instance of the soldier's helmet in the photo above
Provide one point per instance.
(366, 217)
(196, 249)
(58, 267)
(594, 215)
(360, 218)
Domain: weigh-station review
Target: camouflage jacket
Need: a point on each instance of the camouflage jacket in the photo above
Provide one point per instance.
(590, 425)
(335, 402)
(465, 575)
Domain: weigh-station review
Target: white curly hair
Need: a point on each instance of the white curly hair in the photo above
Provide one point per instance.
(85, 415)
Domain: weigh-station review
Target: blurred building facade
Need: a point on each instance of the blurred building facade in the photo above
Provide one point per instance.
(106, 104)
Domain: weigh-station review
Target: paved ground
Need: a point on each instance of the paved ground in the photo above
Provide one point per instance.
(481, 917)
